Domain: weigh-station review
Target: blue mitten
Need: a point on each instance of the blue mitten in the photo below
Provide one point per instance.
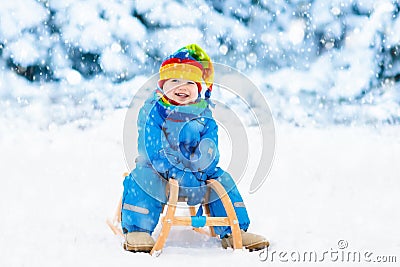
(189, 137)
(205, 156)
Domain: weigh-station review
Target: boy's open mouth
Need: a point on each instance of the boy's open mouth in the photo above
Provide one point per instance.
(181, 94)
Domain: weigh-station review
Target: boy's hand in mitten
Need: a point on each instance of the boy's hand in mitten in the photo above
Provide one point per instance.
(204, 155)
(189, 137)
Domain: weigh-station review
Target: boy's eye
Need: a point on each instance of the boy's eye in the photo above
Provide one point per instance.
(191, 83)
(174, 80)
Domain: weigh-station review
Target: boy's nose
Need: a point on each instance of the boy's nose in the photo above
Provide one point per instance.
(182, 86)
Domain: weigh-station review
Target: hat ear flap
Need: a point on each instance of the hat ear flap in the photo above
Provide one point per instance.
(199, 88)
(161, 83)
(208, 76)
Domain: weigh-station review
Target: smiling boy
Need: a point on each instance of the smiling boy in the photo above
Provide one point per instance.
(178, 138)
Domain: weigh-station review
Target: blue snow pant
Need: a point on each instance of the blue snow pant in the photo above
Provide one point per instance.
(145, 194)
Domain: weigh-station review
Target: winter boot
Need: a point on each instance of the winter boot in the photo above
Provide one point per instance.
(138, 242)
(250, 241)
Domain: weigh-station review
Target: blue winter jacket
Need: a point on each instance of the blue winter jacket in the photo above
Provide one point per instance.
(179, 142)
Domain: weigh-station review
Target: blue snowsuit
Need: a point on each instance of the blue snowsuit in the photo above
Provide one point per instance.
(179, 142)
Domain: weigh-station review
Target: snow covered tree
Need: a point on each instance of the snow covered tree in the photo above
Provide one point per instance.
(340, 52)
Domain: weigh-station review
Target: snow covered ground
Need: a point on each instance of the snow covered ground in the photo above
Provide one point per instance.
(58, 186)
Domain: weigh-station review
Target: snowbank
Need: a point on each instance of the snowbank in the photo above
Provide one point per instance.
(59, 185)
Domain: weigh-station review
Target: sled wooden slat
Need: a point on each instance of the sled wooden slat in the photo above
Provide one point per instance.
(187, 221)
(192, 211)
(166, 227)
(114, 227)
(115, 223)
(230, 211)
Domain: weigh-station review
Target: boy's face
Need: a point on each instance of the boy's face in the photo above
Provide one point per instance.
(180, 90)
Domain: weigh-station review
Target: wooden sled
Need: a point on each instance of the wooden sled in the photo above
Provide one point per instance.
(197, 222)
(170, 219)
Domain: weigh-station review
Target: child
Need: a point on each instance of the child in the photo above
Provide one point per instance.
(178, 139)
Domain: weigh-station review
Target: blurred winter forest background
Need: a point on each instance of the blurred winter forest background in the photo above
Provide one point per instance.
(318, 62)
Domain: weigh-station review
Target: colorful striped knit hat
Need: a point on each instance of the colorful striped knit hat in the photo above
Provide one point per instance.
(190, 62)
